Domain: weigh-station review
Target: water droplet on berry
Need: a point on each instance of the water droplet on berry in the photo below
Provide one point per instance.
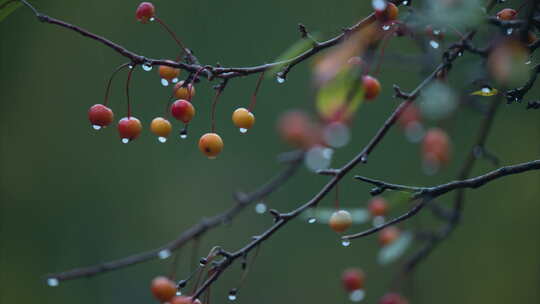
(509, 31)
(152, 19)
(486, 90)
(163, 254)
(260, 208)
(183, 134)
(379, 5)
(96, 127)
(386, 27)
(434, 44)
(378, 221)
(312, 220)
(164, 82)
(232, 297)
(357, 295)
(162, 139)
(345, 243)
(174, 80)
(130, 66)
(405, 2)
(178, 293)
(53, 282)
(125, 140)
(243, 130)
(280, 79)
(147, 67)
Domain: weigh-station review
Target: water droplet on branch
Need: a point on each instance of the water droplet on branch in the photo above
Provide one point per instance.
(146, 67)
(125, 140)
(164, 82)
(96, 127)
(243, 130)
(162, 139)
(165, 253)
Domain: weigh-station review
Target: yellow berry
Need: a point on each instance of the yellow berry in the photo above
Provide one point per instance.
(161, 127)
(182, 92)
(211, 145)
(243, 118)
(167, 72)
(340, 221)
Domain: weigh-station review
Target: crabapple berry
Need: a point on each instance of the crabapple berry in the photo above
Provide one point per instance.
(393, 298)
(340, 221)
(372, 87)
(436, 146)
(389, 13)
(167, 72)
(353, 279)
(243, 119)
(378, 206)
(129, 128)
(161, 127)
(183, 92)
(163, 289)
(506, 14)
(100, 116)
(297, 129)
(410, 114)
(183, 110)
(183, 300)
(145, 12)
(388, 235)
(211, 145)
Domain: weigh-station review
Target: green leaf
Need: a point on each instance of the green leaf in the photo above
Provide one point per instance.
(7, 8)
(294, 50)
(332, 97)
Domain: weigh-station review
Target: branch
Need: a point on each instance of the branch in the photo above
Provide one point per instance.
(426, 194)
(293, 158)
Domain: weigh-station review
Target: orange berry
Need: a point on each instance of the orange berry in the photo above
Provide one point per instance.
(211, 145)
(372, 87)
(183, 92)
(243, 118)
(100, 116)
(506, 14)
(340, 221)
(163, 289)
(410, 115)
(297, 129)
(129, 128)
(167, 72)
(145, 12)
(353, 279)
(390, 13)
(378, 206)
(388, 235)
(183, 110)
(436, 146)
(161, 127)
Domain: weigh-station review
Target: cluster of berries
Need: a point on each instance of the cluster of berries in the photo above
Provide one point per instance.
(353, 280)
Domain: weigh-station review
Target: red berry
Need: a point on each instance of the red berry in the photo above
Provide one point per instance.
(378, 206)
(129, 128)
(340, 221)
(163, 289)
(410, 115)
(393, 298)
(183, 110)
(389, 13)
(183, 300)
(507, 14)
(436, 146)
(388, 235)
(372, 87)
(211, 145)
(145, 11)
(297, 129)
(353, 279)
(100, 116)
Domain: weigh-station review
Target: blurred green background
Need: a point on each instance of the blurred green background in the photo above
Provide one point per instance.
(72, 197)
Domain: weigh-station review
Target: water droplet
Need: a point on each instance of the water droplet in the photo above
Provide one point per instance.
(53, 282)
(312, 220)
(357, 295)
(378, 221)
(130, 66)
(125, 140)
(460, 54)
(152, 19)
(528, 62)
(96, 127)
(232, 297)
(178, 293)
(243, 130)
(436, 32)
(165, 253)
(183, 136)
(162, 139)
(434, 44)
(509, 31)
(260, 208)
(386, 27)
(379, 5)
(174, 80)
(363, 159)
(280, 79)
(345, 243)
(164, 82)
(146, 67)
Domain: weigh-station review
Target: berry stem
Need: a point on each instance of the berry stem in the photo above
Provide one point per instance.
(337, 196)
(386, 39)
(192, 83)
(108, 89)
(127, 90)
(219, 89)
(254, 96)
(173, 35)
